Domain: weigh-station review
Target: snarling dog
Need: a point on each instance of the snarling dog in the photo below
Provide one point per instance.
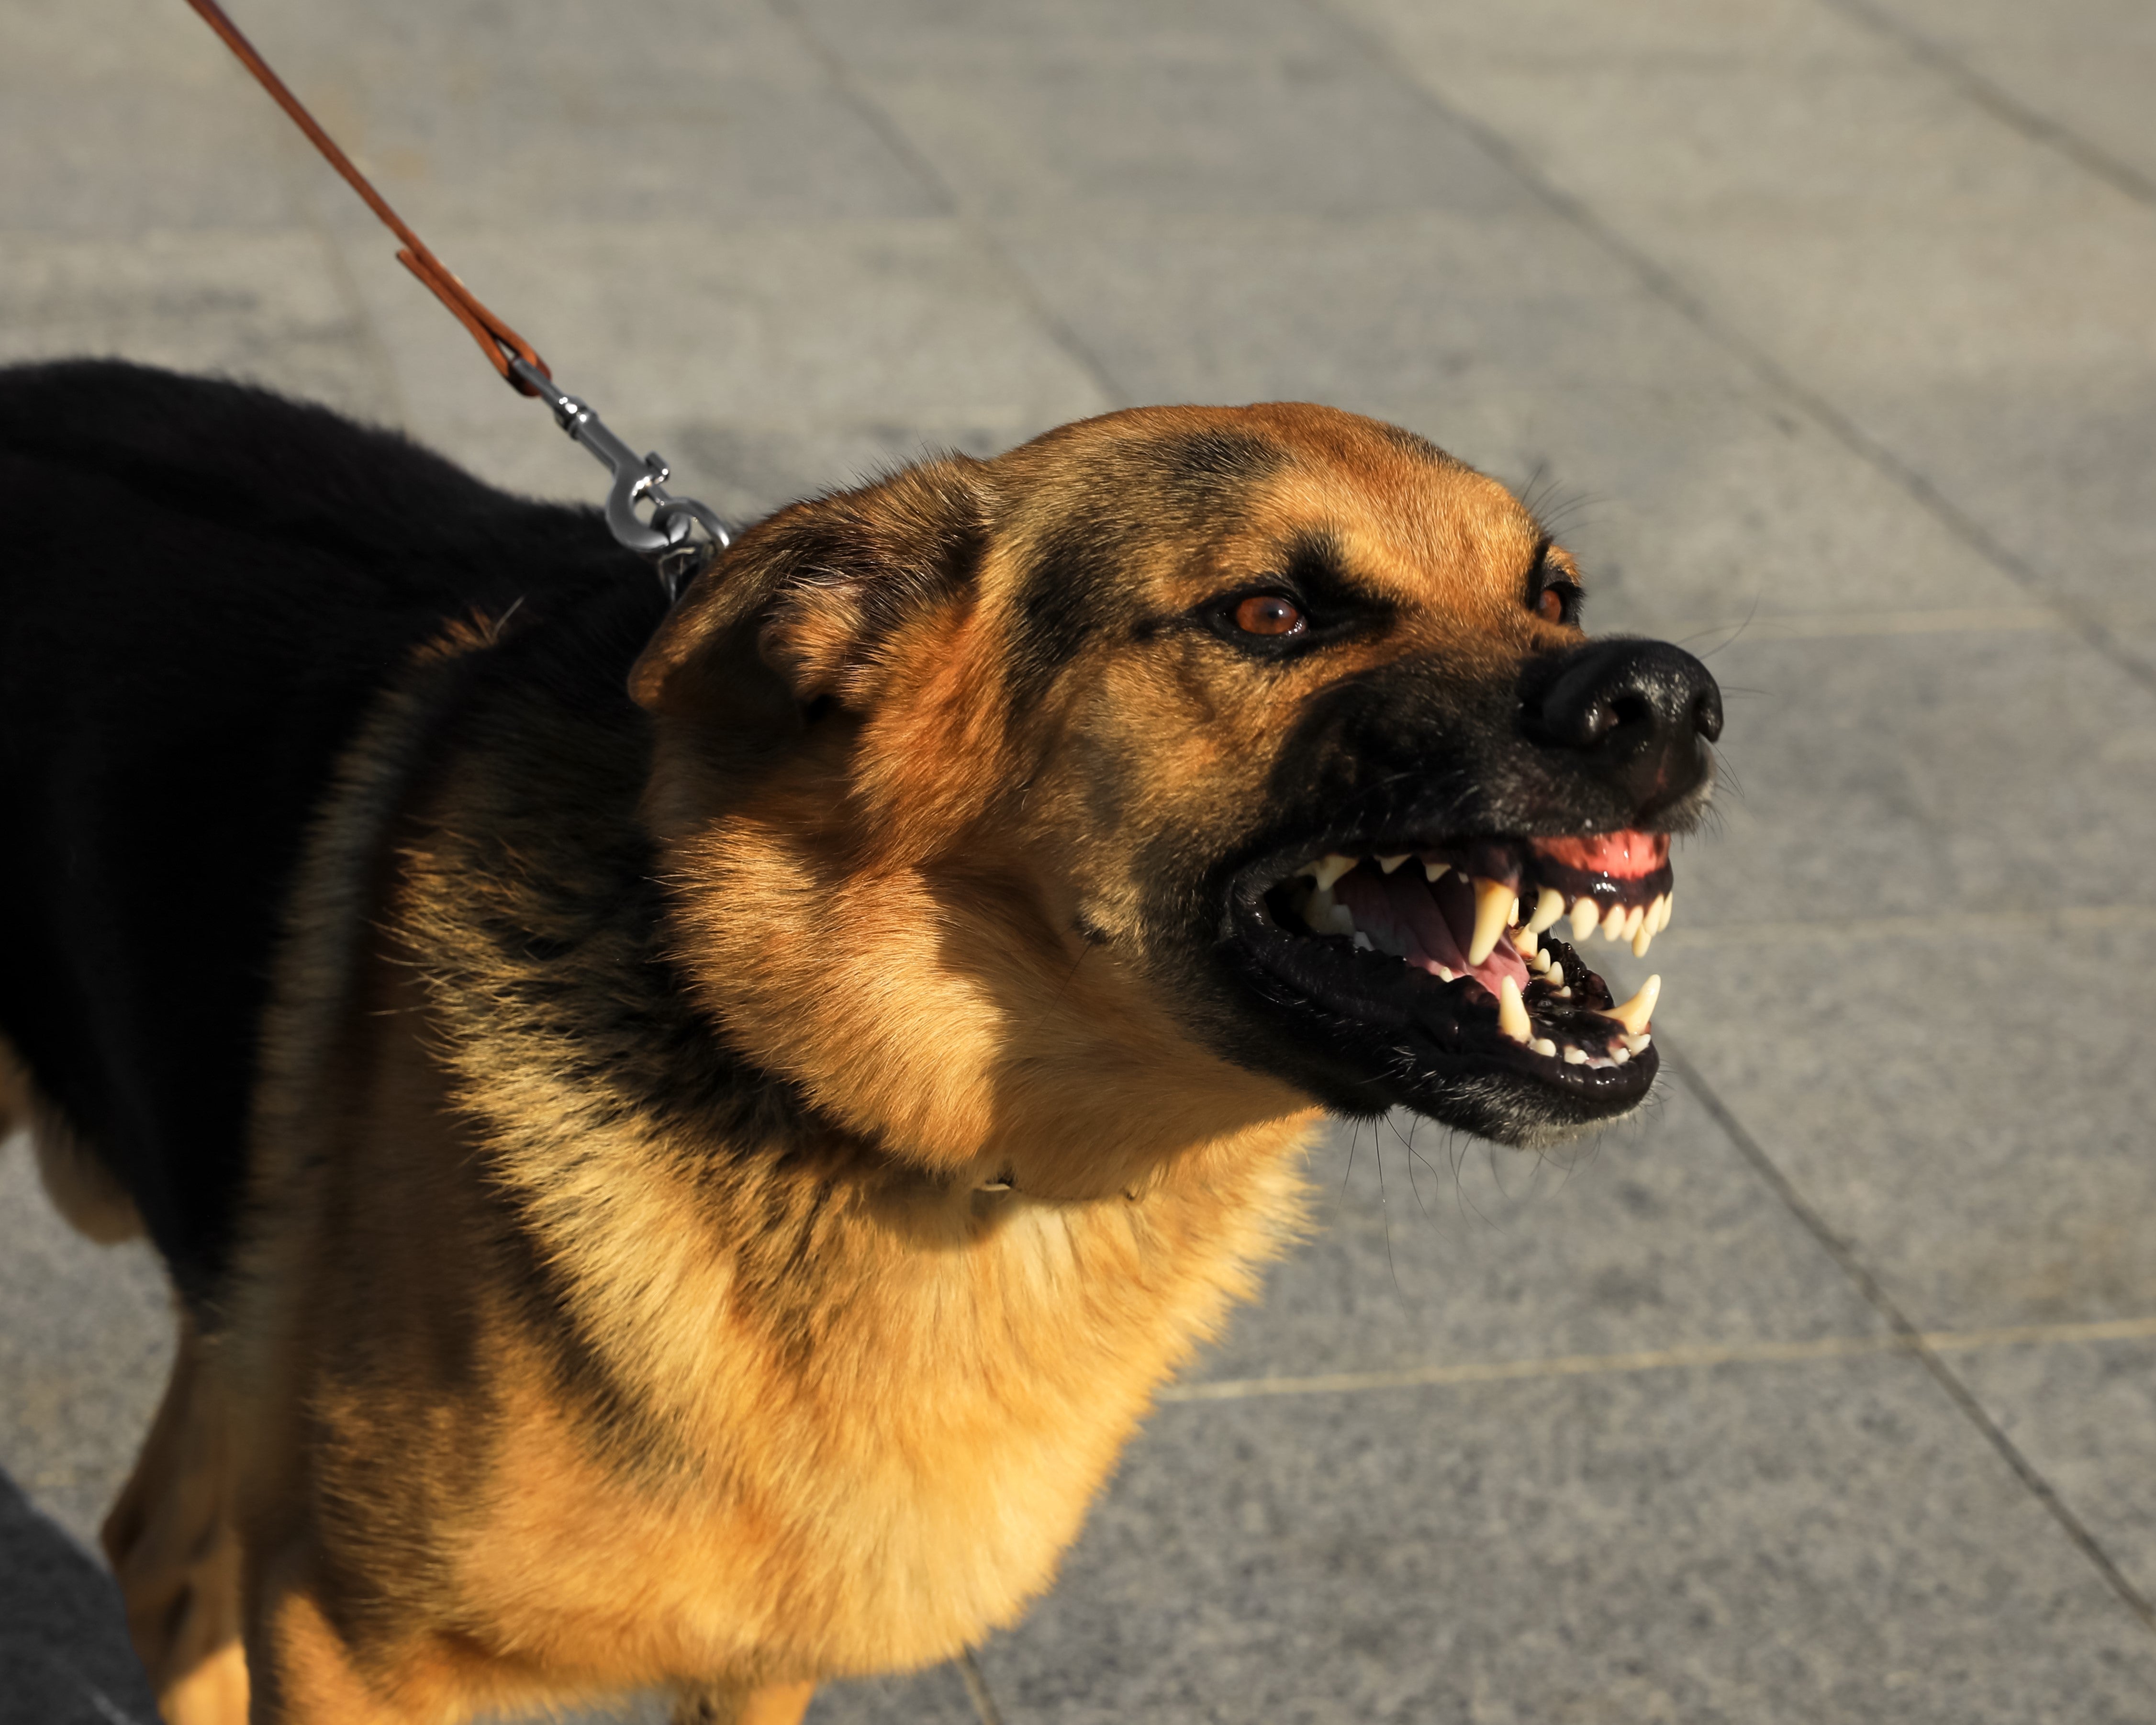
(687, 1137)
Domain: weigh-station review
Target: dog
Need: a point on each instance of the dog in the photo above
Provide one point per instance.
(686, 1135)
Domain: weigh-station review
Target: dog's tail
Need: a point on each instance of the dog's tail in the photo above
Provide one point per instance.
(81, 1188)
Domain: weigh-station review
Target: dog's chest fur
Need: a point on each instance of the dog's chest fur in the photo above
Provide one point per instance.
(818, 1408)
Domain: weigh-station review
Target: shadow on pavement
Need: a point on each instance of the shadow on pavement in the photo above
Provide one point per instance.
(64, 1654)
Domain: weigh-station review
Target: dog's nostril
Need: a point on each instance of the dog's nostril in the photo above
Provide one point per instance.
(1631, 711)
(1707, 715)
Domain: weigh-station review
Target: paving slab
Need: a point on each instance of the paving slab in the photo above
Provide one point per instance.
(887, 323)
(1430, 1249)
(2084, 67)
(1764, 1543)
(1968, 1105)
(1919, 774)
(86, 1343)
(1971, 302)
(272, 306)
(2085, 1415)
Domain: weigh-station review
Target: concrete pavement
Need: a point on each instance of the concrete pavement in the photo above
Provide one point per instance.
(1828, 1389)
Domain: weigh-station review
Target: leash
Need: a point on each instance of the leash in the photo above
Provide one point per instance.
(681, 537)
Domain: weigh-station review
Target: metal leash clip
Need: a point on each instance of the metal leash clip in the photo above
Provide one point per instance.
(682, 536)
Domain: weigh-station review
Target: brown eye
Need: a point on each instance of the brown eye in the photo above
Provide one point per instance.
(1549, 605)
(1267, 613)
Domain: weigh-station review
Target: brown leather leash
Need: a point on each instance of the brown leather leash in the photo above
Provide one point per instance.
(681, 536)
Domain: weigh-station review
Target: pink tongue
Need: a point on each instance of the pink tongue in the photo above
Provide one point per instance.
(1433, 924)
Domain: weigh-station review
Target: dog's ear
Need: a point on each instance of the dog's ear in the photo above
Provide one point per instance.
(804, 606)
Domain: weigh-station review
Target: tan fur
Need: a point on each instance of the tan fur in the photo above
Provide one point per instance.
(540, 1382)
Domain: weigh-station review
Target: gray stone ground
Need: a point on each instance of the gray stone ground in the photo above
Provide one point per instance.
(1827, 325)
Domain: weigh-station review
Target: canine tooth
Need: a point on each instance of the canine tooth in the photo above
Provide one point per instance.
(1584, 918)
(1364, 943)
(1542, 1045)
(1574, 1056)
(1635, 1012)
(1549, 906)
(1644, 939)
(1329, 869)
(1612, 925)
(1435, 872)
(1387, 864)
(1511, 1013)
(1494, 903)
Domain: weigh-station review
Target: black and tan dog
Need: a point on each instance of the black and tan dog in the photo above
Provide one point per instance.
(686, 1140)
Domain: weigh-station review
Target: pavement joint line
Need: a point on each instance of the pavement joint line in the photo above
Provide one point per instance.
(1693, 1357)
(1665, 285)
(1913, 1340)
(1819, 626)
(977, 1688)
(1937, 924)
(881, 121)
(1996, 101)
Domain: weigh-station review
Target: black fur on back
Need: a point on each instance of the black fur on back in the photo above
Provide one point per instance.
(202, 587)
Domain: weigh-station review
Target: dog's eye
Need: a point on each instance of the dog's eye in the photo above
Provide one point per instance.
(1268, 613)
(1558, 602)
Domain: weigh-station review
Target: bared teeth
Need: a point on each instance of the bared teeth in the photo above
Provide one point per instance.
(1542, 1045)
(1512, 1012)
(1324, 914)
(1529, 947)
(1612, 925)
(1584, 918)
(1657, 919)
(1549, 906)
(1329, 869)
(1632, 919)
(1635, 1013)
(1386, 865)
(1434, 872)
(1540, 959)
(1494, 904)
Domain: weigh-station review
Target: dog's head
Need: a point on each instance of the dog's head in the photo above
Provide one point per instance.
(1163, 776)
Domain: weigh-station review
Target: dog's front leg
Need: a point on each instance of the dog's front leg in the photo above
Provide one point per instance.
(176, 1553)
(777, 1704)
(306, 1673)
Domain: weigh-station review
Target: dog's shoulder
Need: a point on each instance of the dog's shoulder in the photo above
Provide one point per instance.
(208, 588)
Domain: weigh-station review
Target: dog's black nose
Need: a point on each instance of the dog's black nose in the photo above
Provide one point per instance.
(1638, 709)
